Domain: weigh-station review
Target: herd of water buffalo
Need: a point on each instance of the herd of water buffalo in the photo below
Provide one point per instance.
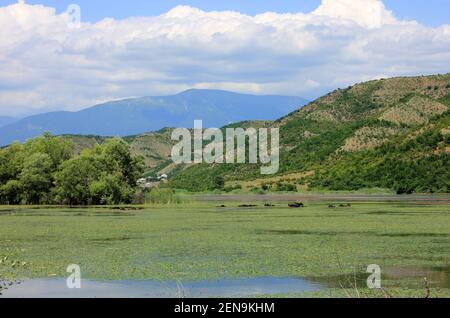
(294, 205)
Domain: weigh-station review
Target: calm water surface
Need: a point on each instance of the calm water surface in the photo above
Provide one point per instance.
(57, 288)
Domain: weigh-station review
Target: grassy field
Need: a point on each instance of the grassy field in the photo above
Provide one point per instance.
(200, 241)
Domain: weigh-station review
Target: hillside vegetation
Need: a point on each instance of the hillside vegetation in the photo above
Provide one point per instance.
(154, 147)
(390, 133)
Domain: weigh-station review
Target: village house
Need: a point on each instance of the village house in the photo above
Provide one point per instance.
(152, 182)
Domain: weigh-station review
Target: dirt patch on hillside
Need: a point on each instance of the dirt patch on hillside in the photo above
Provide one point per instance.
(418, 110)
(368, 138)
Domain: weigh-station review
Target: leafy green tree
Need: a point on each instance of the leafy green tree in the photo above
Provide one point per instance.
(43, 170)
(10, 193)
(74, 178)
(11, 162)
(36, 178)
(109, 190)
(57, 148)
(105, 174)
(118, 158)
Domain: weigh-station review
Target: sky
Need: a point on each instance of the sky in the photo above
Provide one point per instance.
(430, 12)
(121, 49)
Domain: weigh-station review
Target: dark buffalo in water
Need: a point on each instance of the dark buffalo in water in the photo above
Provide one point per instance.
(296, 205)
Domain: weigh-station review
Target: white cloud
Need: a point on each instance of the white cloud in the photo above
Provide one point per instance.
(367, 13)
(46, 65)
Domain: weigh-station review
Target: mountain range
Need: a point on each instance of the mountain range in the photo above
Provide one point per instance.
(139, 115)
(5, 120)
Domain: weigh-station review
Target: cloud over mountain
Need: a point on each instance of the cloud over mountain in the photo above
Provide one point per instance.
(45, 64)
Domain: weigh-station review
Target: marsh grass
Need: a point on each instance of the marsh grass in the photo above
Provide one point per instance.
(165, 196)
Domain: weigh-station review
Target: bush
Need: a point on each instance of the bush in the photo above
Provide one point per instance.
(218, 183)
(257, 190)
(232, 188)
(447, 139)
(286, 187)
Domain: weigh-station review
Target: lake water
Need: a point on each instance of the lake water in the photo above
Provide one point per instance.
(238, 288)
(226, 288)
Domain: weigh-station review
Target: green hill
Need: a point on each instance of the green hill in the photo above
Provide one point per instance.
(154, 147)
(390, 133)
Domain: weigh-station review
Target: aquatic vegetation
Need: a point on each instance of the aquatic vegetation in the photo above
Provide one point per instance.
(201, 241)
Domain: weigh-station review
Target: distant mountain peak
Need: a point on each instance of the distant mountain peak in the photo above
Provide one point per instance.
(134, 116)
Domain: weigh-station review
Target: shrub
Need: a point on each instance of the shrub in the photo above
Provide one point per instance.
(257, 190)
(232, 188)
(218, 183)
(286, 187)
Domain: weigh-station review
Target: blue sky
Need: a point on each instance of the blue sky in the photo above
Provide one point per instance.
(429, 12)
(49, 63)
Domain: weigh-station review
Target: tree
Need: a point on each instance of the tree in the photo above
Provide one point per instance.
(36, 178)
(73, 180)
(43, 170)
(118, 158)
(10, 193)
(11, 162)
(109, 190)
(58, 148)
(105, 174)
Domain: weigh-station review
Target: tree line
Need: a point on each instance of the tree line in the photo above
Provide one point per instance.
(46, 170)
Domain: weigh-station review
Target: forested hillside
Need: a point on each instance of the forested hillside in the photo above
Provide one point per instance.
(390, 133)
